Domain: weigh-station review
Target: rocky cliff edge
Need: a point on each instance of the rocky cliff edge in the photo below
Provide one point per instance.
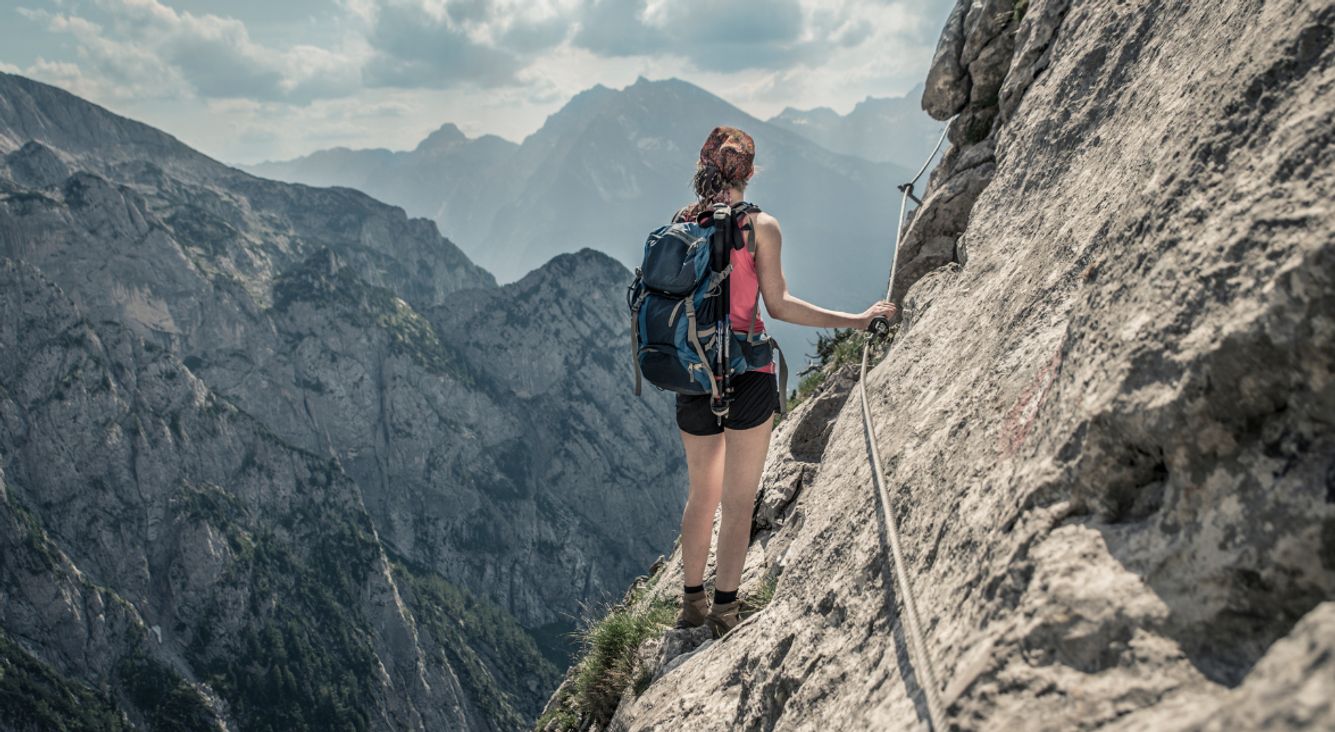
(1106, 419)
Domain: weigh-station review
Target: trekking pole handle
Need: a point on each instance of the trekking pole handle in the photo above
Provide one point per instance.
(879, 326)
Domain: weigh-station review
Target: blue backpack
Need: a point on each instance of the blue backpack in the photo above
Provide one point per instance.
(681, 333)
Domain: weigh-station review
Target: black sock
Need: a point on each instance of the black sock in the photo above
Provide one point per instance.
(722, 598)
(690, 590)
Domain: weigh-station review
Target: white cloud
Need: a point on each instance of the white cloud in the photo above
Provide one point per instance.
(106, 69)
(386, 72)
(744, 35)
(147, 49)
(875, 49)
(452, 43)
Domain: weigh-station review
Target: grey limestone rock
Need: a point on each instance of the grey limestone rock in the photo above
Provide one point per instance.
(678, 645)
(1001, 46)
(132, 473)
(947, 86)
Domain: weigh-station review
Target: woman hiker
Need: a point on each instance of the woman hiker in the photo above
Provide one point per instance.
(724, 462)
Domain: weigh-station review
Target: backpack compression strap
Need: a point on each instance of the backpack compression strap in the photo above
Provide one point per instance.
(635, 303)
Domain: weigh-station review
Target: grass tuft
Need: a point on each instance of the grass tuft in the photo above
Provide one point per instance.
(607, 665)
(754, 602)
(558, 718)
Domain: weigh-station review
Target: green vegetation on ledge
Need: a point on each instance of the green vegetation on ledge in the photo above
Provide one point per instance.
(34, 696)
(756, 601)
(165, 699)
(321, 282)
(610, 662)
(834, 351)
(499, 664)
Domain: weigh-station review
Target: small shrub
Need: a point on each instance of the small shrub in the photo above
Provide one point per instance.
(833, 351)
(558, 718)
(34, 696)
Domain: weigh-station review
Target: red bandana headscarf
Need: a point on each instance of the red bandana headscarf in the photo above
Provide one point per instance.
(732, 153)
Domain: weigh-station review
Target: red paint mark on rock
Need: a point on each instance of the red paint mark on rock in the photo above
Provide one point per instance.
(1020, 417)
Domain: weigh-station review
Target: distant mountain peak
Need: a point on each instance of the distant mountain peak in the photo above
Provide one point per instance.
(444, 137)
(589, 261)
(34, 110)
(882, 129)
(799, 117)
(680, 85)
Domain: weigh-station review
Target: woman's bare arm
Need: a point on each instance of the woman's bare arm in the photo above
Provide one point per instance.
(782, 304)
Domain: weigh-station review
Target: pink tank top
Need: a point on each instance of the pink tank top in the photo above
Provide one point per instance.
(745, 285)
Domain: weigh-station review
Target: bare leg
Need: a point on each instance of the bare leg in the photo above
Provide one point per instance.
(745, 461)
(704, 465)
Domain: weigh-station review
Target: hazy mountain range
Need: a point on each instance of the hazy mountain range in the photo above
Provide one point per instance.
(614, 163)
(282, 457)
(883, 129)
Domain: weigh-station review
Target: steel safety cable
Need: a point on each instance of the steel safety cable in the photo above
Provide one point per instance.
(923, 668)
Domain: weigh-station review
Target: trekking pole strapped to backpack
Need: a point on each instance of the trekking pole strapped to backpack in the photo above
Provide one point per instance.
(720, 244)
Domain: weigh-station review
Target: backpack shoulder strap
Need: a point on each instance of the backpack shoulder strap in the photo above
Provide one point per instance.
(750, 209)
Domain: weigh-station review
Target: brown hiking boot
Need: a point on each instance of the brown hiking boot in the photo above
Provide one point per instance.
(693, 607)
(723, 618)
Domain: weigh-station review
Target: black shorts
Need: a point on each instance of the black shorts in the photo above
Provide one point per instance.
(755, 399)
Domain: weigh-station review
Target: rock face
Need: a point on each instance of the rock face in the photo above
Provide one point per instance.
(226, 549)
(421, 491)
(988, 55)
(1106, 430)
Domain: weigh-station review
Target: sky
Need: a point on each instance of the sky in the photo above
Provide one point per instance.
(252, 80)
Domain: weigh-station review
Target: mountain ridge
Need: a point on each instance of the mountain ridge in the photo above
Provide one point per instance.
(315, 315)
(882, 129)
(24, 115)
(629, 155)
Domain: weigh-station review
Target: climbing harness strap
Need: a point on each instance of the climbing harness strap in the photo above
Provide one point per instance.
(923, 661)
